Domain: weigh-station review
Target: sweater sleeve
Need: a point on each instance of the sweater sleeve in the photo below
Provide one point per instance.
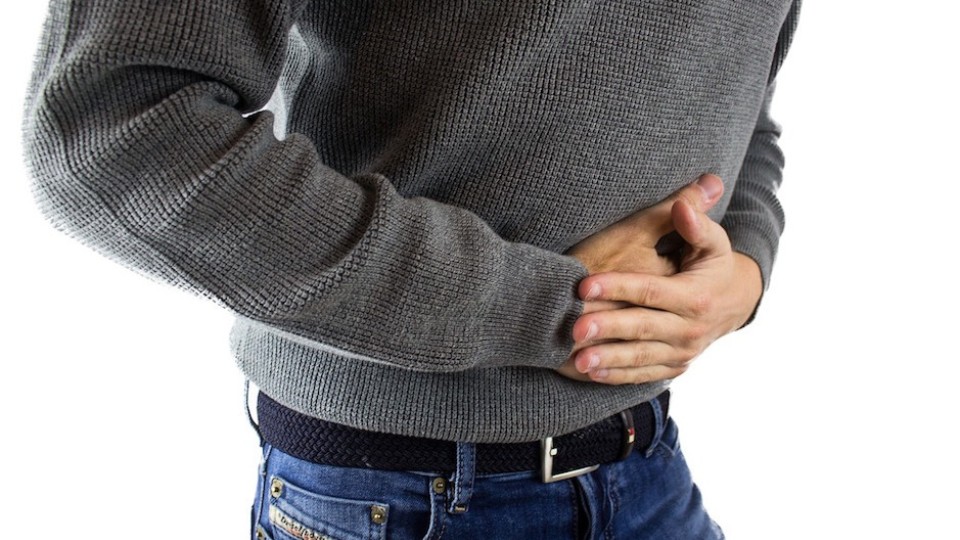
(754, 219)
(143, 143)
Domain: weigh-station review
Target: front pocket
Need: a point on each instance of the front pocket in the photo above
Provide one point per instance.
(298, 514)
(669, 443)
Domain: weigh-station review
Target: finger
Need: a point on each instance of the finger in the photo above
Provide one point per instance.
(631, 323)
(658, 292)
(636, 375)
(686, 221)
(656, 221)
(704, 236)
(578, 346)
(591, 306)
(569, 371)
(628, 354)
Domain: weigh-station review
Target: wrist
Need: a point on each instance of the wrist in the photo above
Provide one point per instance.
(751, 284)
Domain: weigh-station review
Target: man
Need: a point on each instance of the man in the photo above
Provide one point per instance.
(460, 278)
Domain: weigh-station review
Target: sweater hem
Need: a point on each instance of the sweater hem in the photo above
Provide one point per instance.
(507, 404)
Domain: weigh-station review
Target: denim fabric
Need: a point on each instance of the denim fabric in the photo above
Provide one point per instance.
(648, 495)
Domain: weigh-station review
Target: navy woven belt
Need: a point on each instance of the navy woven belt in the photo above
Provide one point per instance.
(319, 441)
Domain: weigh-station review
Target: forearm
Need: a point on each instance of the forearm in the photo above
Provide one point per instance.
(139, 145)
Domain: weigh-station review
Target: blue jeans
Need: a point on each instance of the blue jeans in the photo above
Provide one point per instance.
(648, 495)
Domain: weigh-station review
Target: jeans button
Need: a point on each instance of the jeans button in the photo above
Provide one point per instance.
(439, 485)
(378, 514)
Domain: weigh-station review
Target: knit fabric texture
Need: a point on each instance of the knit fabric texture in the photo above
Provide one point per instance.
(383, 192)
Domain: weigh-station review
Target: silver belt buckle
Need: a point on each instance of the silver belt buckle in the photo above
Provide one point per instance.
(547, 451)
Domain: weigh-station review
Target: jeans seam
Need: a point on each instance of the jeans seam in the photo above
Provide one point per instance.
(575, 504)
(613, 494)
(438, 516)
(463, 478)
(262, 480)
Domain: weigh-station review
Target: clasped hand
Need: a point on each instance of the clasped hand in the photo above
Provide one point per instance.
(648, 314)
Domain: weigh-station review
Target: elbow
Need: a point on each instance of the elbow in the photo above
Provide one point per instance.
(56, 191)
(60, 163)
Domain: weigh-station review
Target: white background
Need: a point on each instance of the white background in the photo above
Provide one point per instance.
(829, 417)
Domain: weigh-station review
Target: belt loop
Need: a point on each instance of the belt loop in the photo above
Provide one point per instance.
(463, 477)
(658, 425)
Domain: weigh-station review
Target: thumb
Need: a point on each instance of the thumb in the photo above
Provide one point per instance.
(711, 189)
(703, 236)
(702, 195)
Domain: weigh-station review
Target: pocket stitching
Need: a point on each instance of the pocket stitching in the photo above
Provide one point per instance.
(318, 528)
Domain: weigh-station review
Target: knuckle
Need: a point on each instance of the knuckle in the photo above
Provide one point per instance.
(640, 356)
(647, 292)
(642, 378)
(641, 329)
(637, 377)
(683, 358)
(692, 196)
(688, 356)
(701, 305)
(693, 334)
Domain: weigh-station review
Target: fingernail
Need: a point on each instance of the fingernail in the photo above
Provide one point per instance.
(710, 186)
(592, 330)
(601, 373)
(593, 292)
(593, 361)
(585, 364)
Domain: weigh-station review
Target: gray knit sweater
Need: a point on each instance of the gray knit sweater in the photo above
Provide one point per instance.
(390, 228)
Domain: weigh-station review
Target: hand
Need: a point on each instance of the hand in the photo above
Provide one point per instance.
(643, 242)
(640, 242)
(673, 318)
